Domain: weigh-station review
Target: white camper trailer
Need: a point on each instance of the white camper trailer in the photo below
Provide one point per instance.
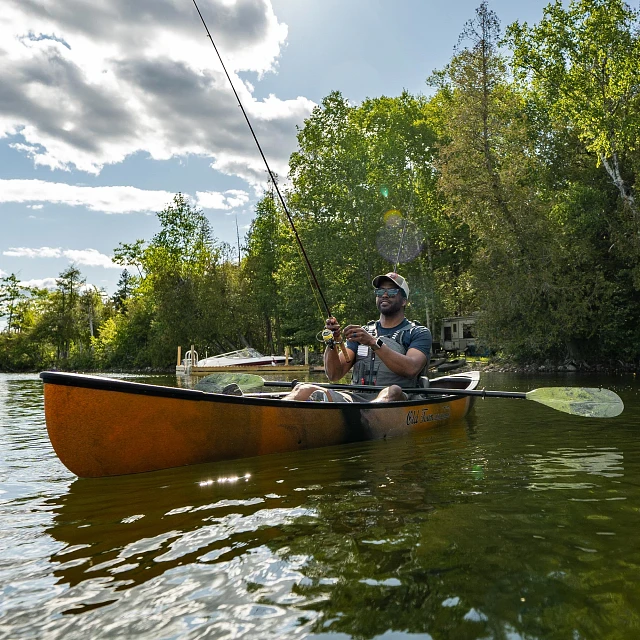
(458, 334)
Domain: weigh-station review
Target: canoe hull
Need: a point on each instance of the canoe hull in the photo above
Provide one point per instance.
(102, 427)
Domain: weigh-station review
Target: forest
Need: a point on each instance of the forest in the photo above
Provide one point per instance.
(507, 191)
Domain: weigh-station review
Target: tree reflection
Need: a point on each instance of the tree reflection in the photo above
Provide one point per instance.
(439, 533)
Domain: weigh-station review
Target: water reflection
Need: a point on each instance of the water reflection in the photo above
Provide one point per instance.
(251, 542)
(429, 534)
(139, 527)
(556, 469)
(444, 535)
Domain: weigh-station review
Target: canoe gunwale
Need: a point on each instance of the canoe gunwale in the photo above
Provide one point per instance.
(139, 388)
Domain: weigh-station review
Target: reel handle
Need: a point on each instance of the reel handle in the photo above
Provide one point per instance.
(345, 353)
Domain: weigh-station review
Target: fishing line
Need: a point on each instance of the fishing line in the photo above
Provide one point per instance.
(404, 231)
(400, 240)
(266, 164)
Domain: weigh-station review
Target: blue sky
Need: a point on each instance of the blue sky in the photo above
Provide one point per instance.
(108, 107)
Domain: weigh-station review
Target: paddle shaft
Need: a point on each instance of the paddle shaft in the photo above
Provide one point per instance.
(429, 390)
(578, 401)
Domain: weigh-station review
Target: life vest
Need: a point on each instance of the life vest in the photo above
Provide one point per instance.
(368, 369)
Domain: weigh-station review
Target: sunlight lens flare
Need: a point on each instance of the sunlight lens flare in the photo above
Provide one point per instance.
(393, 218)
(399, 240)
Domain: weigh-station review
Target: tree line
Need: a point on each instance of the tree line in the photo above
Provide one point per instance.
(509, 192)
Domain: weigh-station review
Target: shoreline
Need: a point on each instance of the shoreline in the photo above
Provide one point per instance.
(142, 371)
(506, 366)
(486, 366)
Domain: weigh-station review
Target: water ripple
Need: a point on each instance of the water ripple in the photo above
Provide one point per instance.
(518, 522)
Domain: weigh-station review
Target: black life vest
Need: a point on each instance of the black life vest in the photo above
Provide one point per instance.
(368, 369)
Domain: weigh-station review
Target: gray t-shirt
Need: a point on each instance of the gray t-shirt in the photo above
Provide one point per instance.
(417, 338)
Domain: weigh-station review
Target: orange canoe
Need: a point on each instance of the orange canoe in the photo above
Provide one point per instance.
(104, 427)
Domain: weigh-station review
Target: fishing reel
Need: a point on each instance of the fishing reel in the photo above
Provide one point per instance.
(329, 341)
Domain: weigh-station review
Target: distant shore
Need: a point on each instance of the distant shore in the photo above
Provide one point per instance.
(506, 366)
(472, 364)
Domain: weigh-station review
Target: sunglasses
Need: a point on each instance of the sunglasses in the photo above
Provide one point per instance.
(390, 292)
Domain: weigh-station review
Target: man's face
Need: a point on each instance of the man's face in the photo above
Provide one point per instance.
(390, 305)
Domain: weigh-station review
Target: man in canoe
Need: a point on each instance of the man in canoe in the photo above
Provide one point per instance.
(392, 352)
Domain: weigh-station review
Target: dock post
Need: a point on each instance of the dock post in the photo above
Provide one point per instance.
(286, 355)
(191, 359)
(306, 355)
(179, 356)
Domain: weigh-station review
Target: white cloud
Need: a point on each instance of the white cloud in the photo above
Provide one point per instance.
(87, 84)
(224, 201)
(85, 257)
(24, 252)
(90, 258)
(118, 199)
(107, 199)
(50, 283)
(3, 274)
(236, 198)
(40, 283)
(34, 206)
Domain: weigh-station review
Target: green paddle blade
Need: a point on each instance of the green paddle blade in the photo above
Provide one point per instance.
(216, 382)
(579, 401)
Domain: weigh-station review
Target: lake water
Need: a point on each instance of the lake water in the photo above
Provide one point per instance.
(518, 522)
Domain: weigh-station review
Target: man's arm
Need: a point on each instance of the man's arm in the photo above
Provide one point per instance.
(335, 365)
(406, 366)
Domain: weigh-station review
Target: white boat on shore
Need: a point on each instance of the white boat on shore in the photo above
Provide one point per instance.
(245, 358)
(241, 358)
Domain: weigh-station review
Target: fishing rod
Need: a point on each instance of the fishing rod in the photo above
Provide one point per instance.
(326, 338)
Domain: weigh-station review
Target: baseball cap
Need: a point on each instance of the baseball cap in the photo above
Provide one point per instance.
(395, 278)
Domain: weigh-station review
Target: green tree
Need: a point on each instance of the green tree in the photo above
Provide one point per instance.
(263, 252)
(354, 165)
(11, 295)
(177, 262)
(584, 62)
(66, 310)
(533, 284)
(124, 292)
(130, 254)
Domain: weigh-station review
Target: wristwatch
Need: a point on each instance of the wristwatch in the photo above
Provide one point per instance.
(377, 345)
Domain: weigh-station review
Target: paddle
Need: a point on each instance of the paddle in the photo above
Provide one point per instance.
(578, 401)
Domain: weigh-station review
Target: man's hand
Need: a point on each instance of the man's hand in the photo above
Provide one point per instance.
(336, 363)
(358, 334)
(332, 324)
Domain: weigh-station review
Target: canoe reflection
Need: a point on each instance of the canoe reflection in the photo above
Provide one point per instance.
(129, 529)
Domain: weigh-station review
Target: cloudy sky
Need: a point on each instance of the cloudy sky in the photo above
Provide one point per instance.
(109, 107)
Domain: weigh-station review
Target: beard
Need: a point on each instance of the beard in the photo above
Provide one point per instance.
(392, 307)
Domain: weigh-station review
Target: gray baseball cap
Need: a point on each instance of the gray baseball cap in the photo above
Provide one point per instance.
(395, 278)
